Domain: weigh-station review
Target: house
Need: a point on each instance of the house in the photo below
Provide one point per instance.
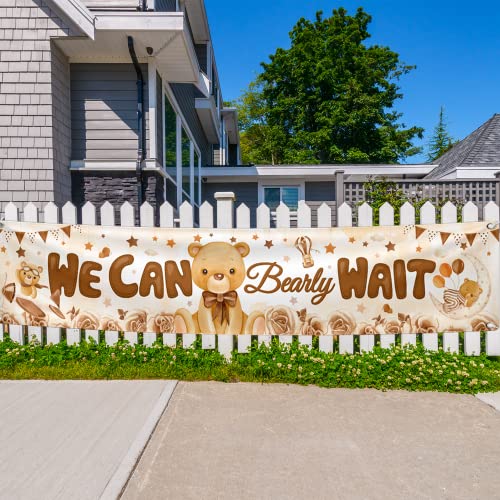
(109, 101)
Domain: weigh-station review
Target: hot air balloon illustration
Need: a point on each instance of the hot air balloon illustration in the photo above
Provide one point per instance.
(303, 244)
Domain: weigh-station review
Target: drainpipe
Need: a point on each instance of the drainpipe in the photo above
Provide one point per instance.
(141, 148)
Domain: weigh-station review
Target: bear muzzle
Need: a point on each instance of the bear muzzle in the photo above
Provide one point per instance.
(219, 276)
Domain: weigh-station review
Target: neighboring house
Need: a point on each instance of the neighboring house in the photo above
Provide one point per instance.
(99, 96)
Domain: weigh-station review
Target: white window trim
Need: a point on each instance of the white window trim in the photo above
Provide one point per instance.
(281, 183)
(152, 104)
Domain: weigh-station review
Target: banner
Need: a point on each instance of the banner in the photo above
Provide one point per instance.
(371, 280)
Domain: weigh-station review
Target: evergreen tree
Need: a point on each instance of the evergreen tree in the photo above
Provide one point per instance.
(441, 140)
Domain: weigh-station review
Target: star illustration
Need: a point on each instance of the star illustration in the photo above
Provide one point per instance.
(232, 239)
(286, 258)
(211, 234)
(285, 239)
(155, 238)
(377, 255)
(365, 243)
(330, 248)
(418, 249)
(132, 242)
(488, 254)
(255, 237)
(463, 246)
(103, 236)
(352, 239)
(293, 301)
(21, 252)
(190, 303)
(197, 238)
(390, 246)
(268, 244)
(361, 308)
(3, 249)
(171, 243)
(107, 302)
(88, 245)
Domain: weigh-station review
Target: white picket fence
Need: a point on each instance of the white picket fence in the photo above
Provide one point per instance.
(225, 209)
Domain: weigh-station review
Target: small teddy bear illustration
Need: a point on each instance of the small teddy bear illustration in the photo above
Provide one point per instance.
(466, 296)
(28, 276)
(218, 269)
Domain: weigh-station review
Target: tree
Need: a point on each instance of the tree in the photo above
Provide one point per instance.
(441, 140)
(327, 99)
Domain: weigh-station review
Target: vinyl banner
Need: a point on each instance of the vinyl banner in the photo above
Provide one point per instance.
(369, 280)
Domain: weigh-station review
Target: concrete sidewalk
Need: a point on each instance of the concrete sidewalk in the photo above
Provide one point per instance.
(249, 441)
(74, 440)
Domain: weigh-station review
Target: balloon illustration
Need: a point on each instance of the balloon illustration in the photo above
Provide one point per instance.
(438, 281)
(458, 266)
(445, 270)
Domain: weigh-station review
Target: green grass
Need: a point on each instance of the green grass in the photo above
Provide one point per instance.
(409, 368)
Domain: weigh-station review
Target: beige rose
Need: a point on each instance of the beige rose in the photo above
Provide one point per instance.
(341, 323)
(137, 321)
(162, 323)
(425, 324)
(484, 323)
(111, 325)
(368, 329)
(280, 320)
(394, 326)
(86, 321)
(8, 319)
(313, 325)
(37, 321)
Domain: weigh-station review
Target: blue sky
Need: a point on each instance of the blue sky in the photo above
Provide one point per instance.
(454, 44)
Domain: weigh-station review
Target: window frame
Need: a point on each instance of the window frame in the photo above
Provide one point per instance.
(280, 184)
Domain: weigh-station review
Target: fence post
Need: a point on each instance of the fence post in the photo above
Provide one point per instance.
(225, 201)
(339, 187)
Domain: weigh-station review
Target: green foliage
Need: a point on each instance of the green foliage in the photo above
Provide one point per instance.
(409, 368)
(329, 98)
(441, 140)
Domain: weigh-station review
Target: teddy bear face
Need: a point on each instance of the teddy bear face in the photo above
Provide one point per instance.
(471, 291)
(218, 267)
(29, 275)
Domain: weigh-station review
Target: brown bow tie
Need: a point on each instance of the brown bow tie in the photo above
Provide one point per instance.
(222, 302)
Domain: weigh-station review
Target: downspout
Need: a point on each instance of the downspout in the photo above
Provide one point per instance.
(141, 141)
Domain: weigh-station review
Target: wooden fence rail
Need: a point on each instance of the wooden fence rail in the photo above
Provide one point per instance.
(227, 217)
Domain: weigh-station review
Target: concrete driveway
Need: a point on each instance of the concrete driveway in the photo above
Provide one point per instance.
(249, 441)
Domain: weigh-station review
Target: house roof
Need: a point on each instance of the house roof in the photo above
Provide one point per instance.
(481, 148)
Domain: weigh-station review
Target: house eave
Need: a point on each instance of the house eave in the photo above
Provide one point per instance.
(78, 13)
(207, 113)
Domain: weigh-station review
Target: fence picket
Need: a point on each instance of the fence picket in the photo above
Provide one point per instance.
(263, 216)
(448, 213)
(11, 212)
(243, 216)
(344, 215)
(166, 215)
(282, 216)
(73, 336)
(206, 215)
(365, 215)
(386, 215)
(324, 216)
(131, 337)
(107, 212)
(149, 338)
(427, 213)
(68, 213)
(366, 343)
(470, 212)
(325, 343)
(147, 215)
(127, 215)
(51, 213)
(450, 342)
(110, 337)
(491, 212)
(430, 341)
(387, 340)
(88, 214)
(186, 215)
(303, 215)
(346, 344)
(407, 214)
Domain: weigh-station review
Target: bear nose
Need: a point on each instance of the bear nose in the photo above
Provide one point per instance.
(218, 276)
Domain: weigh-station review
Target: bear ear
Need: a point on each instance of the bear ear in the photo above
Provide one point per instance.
(480, 290)
(466, 280)
(194, 249)
(40, 269)
(243, 248)
(24, 263)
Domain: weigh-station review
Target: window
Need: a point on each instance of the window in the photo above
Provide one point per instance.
(274, 195)
(170, 135)
(186, 165)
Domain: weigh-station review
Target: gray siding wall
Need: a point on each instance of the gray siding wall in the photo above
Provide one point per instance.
(201, 54)
(245, 192)
(318, 192)
(104, 111)
(185, 94)
(27, 69)
(216, 155)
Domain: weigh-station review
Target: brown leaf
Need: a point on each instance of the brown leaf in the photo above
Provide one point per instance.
(387, 309)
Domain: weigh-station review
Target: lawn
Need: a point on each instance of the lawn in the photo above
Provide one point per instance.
(409, 368)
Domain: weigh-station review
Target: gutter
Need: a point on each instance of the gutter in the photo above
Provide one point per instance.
(141, 136)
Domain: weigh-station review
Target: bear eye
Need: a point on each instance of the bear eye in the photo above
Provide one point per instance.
(231, 271)
(205, 271)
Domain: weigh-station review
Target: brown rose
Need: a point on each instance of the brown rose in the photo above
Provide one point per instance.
(111, 325)
(36, 321)
(341, 323)
(86, 321)
(425, 324)
(280, 320)
(8, 319)
(137, 321)
(313, 325)
(394, 327)
(484, 323)
(162, 323)
(368, 329)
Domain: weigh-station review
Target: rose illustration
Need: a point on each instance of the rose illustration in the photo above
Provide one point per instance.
(394, 327)
(137, 321)
(341, 323)
(8, 319)
(36, 321)
(313, 325)
(368, 329)
(110, 325)
(425, 324)
(484, 323)
(86, 321)
(280, 320)
(162, 323)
